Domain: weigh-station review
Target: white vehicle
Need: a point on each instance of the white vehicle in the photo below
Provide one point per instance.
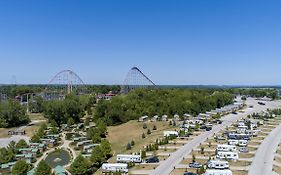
(218, 164)
(226, 148)
(114, 167)
(241, 129)
(128, 158)
(217, 172)
(233, 142)
(170, 133)
(227, 155)
(242, 143)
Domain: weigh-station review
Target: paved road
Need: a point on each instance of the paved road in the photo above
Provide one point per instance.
(263, 161)
(167, 166)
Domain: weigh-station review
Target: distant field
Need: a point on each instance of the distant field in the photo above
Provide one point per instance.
(120, 135)
(37, 116)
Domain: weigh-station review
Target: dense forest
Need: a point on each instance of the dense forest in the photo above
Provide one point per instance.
(12, 114)
(150, 102)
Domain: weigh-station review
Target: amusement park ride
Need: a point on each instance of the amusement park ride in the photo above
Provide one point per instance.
(67, 81)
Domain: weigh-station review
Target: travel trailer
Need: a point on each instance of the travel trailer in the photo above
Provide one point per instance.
(126, 158)
(233, 142)
(218, 164)
(227, 155)
(226, 148)
(115, 167)
(217, 172)
(243, 143)
(170, 133)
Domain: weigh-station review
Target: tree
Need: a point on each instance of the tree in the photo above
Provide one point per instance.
(154, 127)
(148, 132)
(79, 166)
(143, 154)
(143, 135)
(144, 126)
(87, 121)
(70, 122)
(35, 138)
(193, 158)
(6, 155)
(98, 156)
(21, 144)
(12, 114)
(106, 148)
(43, 169)
(20, 168)
(133, 143)
(129, 147)
(54, 130)
(12, 146)
(101, 126)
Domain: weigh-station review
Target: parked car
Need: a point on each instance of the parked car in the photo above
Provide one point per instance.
(261, 103)
(203, 127)
(152, 160)
(208, 128)
(243, 150)
(190, 173)
(195, 165)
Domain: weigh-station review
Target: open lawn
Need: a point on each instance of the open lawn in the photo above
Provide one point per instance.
(240, 172)
(277, 169)
(36, 116)
(119, 136)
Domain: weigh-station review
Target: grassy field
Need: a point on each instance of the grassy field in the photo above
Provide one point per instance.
(120, 135)
(37, 116)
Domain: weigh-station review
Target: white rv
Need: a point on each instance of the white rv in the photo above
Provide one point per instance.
(226, 148)
(242, 143)
(233, 142)
(170, 133)
(114, 167)
(128, 158)
(218, 164)
(227, 155)
(217, 172)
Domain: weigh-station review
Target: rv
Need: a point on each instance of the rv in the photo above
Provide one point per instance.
(243, 143)
(128, 158)
(233, 142)
(217, 172)
(226, 148)
(218, 164)
(170, 133)
(227, 155)
(114, 167)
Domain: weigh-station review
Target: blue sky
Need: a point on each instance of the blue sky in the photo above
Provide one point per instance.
(172, 41)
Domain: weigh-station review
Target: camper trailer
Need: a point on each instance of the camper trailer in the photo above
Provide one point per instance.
(227, 155)
(114, 167)
(233, 142)
(126, 158)
(218, 164)
(218, 172)
(170, 133)
(242, 143)
(226, 148)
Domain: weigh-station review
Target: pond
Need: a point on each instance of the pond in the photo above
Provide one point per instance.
(58, 157)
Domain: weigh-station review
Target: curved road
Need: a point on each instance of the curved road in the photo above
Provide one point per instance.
(168, 165)
(263, 160)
